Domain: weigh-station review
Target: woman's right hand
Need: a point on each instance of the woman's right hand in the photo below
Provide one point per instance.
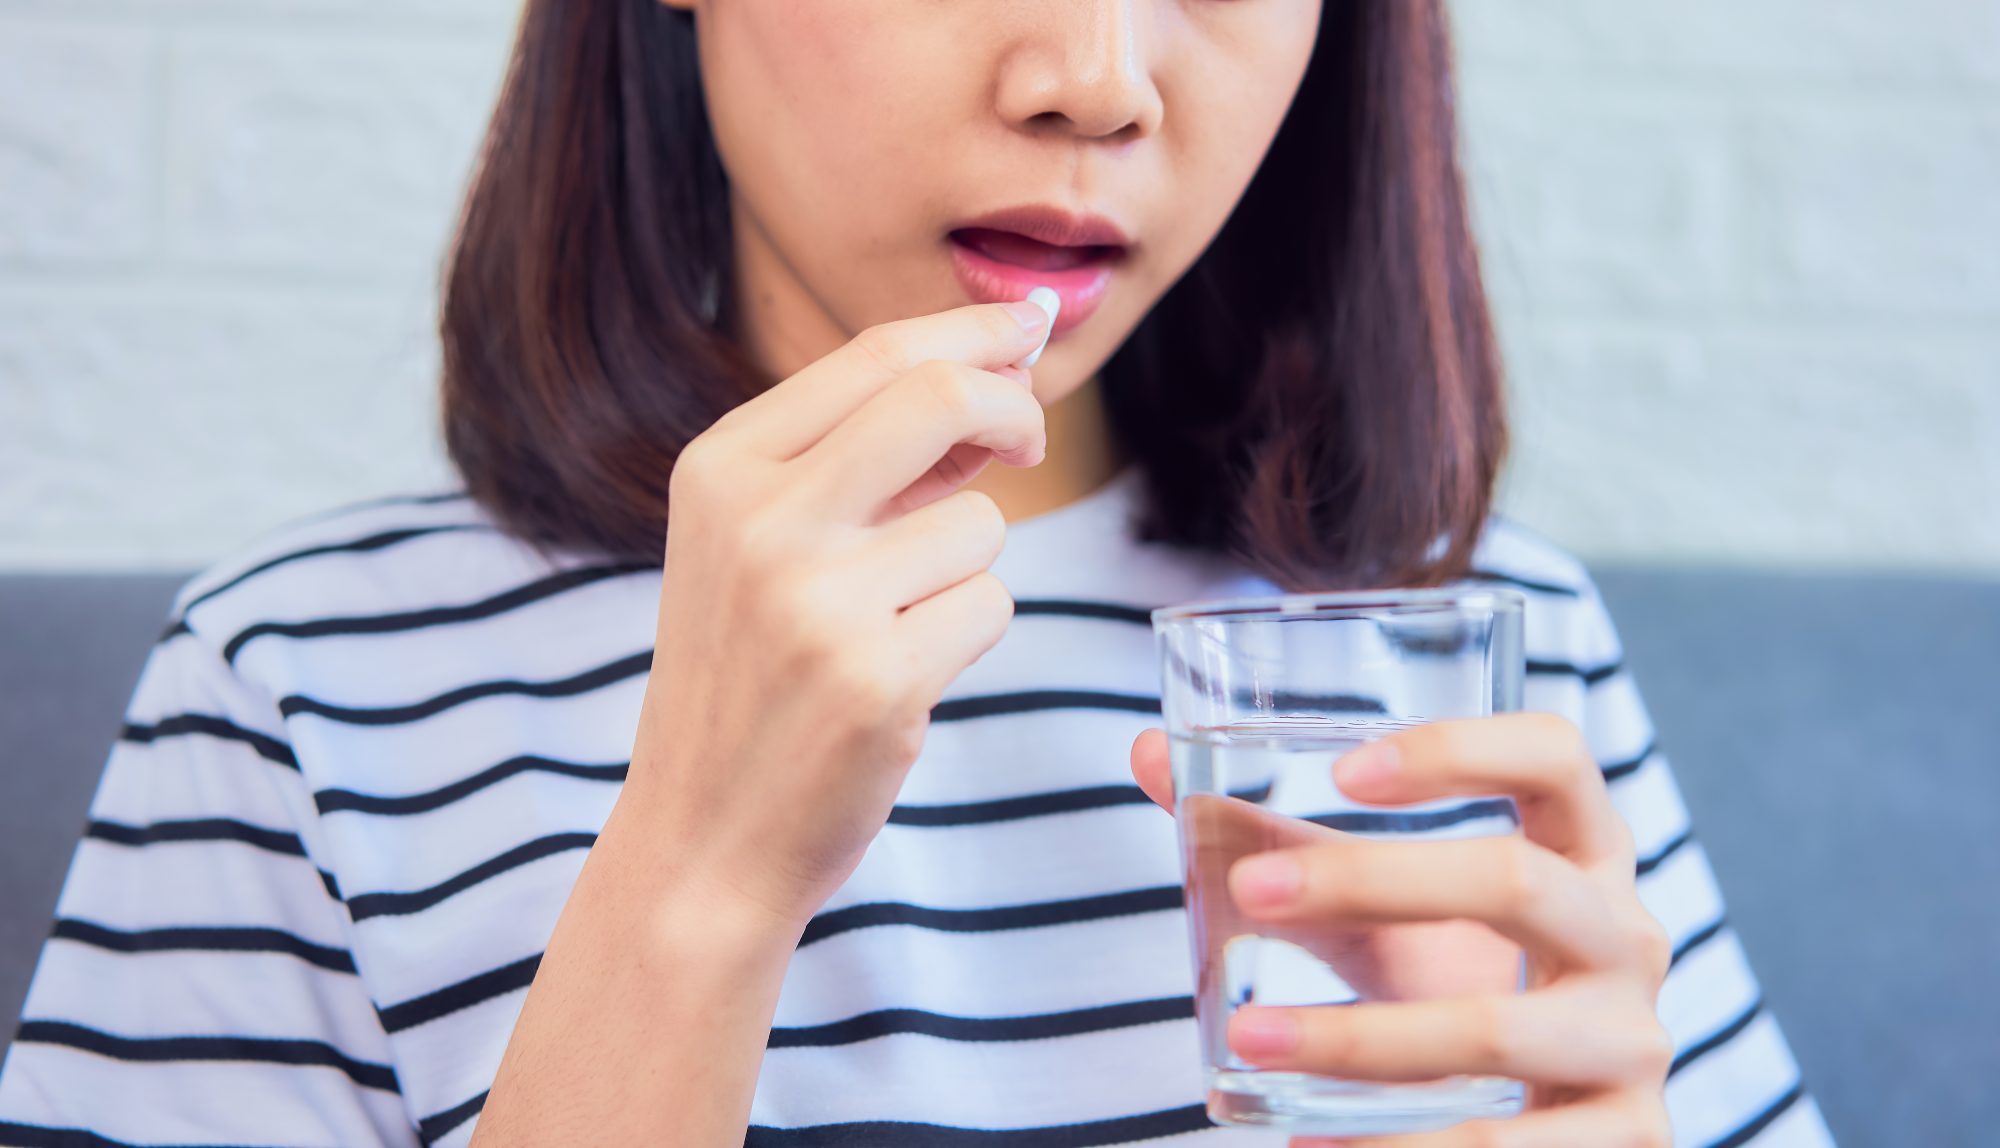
(825, 579)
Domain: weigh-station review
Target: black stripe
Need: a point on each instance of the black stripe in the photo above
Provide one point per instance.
(1697, 939)
(442, 496)
(39, 1136)
(380, 541)
(1017, 808)
(436, 1126)
(1616, 769)
(180, 725)
(1717, 1039)
(174, 631)
(217, 938)
(1591, 675)
(197, 829)
(368, 905)
(1400, 821)
(1525, 583)
(169, 1048)
(886, 1022)
(332, 886)
(1029, 916)
(584, 682)
(464, 994)
(1074, 608)
(1648, 864)
(1030, 701)
(436, 616)
(1762, 1120)
(338, 800)
(903, 1134)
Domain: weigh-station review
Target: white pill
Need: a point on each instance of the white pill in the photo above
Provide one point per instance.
(1047, 299)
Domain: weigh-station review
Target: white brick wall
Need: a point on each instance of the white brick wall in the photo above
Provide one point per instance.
(1747, 262)
(1746, 255)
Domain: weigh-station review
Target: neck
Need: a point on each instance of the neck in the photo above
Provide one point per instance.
(785, 328)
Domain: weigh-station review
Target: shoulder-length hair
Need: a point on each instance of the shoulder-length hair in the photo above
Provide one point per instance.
(1318, 396)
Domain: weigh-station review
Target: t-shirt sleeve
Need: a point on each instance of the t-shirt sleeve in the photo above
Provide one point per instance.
(1734, 1081)
(198, 986)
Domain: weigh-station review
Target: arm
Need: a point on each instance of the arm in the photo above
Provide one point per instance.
(809, 619)
(651, 984)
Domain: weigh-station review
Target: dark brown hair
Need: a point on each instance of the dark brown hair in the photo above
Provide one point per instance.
(1318, 396)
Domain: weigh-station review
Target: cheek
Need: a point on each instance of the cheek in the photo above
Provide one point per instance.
(821, 92)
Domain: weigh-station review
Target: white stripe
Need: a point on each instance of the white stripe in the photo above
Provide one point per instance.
(1717, 1094)
(186, 993)
(196, 883)
(196, 1102)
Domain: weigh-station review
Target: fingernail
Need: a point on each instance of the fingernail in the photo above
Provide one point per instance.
(1267, 879)
(1256, 1032)
(1031, 315)
(1372, 763)
(1048, 302)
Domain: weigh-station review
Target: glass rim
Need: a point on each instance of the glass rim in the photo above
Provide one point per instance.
(1340, 603)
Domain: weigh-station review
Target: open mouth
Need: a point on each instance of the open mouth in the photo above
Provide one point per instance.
(1020, 251)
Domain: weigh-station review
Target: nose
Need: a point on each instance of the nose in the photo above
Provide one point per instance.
(1085, 66)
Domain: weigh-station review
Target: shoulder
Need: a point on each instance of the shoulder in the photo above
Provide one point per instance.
(378, 554)
(1566, 615)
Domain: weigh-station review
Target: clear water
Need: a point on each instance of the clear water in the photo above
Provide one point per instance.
(1268, 783)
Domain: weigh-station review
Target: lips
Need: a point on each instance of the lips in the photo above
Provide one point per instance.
(1000, 257)
(1021, 251)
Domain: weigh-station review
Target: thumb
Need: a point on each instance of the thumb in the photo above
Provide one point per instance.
(1150, 768)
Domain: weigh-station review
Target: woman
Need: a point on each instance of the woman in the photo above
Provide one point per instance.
(470, 819)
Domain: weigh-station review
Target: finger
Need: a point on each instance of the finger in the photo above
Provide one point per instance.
(936, 546)
(941, 635)
(1150, 767)
(792, 415)
(1622, 1117)
(1567, 1037)
(1517, 888)
(901, 433)
(1540, 760)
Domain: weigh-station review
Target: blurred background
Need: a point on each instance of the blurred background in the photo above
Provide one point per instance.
(1746, 262)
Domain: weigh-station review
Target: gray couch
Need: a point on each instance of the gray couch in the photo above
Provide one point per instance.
(1836, 738)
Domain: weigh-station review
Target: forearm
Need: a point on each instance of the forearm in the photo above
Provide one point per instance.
(647, 1019)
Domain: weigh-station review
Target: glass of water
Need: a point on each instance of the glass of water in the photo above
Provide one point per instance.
(1260, 697)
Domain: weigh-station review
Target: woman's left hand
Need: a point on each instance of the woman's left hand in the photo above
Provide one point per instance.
(1585, 1036)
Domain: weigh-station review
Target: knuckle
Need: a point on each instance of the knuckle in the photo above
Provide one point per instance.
(985, 520)
(858, 686)
(696, 469)
(951, 390)
(1652, 946)
(883, 345)
(1523, 874)
(1484, 1134)
(1643, 1129)
(1490, 1032)
(1654, 1053)
(999, 601)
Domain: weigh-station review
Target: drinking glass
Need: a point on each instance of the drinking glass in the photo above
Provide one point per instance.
(1260, 697)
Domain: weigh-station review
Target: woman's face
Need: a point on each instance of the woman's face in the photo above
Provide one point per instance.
(864, 138)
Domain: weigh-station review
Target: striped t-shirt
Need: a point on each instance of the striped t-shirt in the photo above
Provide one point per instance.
(363, 764)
